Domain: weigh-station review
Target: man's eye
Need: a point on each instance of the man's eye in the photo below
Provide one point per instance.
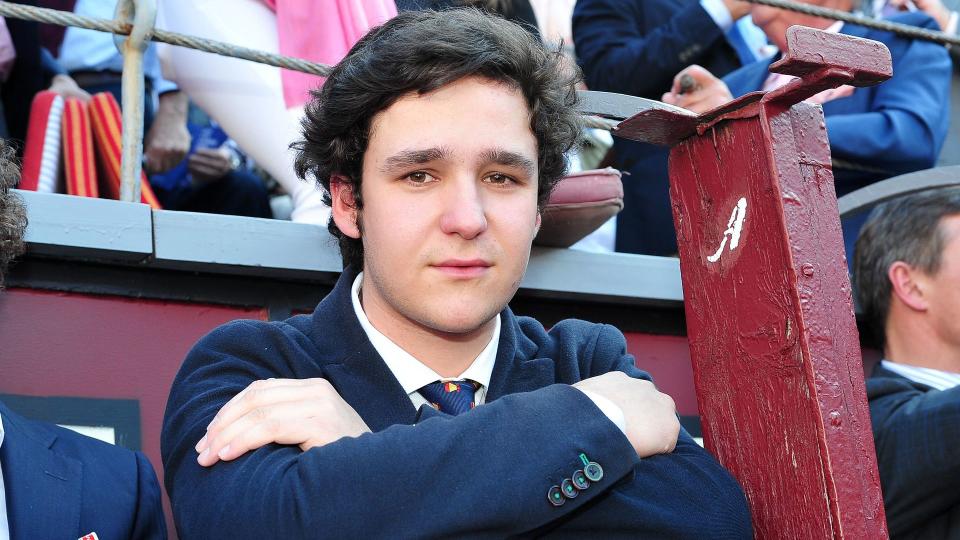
(500, 179)
(420, 177)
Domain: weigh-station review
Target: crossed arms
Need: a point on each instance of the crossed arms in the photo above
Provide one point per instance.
(483, 473)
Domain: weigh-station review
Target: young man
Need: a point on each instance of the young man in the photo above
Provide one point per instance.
(55, 483)
(908, 283)
(412, 402)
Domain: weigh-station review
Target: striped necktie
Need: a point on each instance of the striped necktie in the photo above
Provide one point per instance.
(451, 397)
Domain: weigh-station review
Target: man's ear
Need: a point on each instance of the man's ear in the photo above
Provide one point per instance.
(907, 284)
(344, 206)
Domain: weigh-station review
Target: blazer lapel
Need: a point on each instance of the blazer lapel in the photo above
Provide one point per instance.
(43, 488)
(355, 368)
(749, 78)
(517, 369)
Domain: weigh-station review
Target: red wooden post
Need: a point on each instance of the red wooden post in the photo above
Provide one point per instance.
(768, 302)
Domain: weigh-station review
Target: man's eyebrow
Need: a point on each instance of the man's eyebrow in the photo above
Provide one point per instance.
(509, 159)
(407, 158)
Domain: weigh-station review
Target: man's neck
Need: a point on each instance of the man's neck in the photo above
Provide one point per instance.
(448, 354)
(918, 345)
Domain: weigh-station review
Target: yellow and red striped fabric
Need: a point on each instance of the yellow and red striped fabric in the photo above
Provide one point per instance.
(79, 162)
(107, 127)
(41, 154)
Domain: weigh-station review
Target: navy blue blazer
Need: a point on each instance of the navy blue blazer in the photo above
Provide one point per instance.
(485, 473)
(917, 434)
(60, 484)
(636, 47)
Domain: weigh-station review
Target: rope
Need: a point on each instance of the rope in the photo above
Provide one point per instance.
(63, 18)
(861, 20)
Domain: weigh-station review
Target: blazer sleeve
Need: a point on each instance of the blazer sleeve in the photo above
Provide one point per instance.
(917, 435)
(620, 51)
(486, 473)
(149, 523)
(908, 117)
(659, 494)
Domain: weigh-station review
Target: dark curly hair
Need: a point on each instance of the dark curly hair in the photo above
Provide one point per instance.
(13, 216)
(421, 52)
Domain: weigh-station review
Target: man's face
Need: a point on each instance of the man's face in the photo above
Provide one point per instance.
(944, 286)
(449, 205)
(774, 21)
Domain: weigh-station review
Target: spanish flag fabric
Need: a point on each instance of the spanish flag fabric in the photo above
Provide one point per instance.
(106, 122)
(79, 163)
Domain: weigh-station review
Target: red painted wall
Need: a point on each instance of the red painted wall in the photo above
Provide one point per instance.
(74, 345)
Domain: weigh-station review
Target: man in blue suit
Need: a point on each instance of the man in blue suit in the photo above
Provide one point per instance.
(635, 47)
(413, 402)
(908, 282)
(55, 483)
(893, 128)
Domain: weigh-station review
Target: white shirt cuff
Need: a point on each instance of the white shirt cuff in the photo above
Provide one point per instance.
(608, 408)
(719, 13)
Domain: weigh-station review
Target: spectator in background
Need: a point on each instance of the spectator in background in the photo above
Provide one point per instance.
(945, 13)
(907, 275)
(214, 178)
(893, 128)
(55, 483)
(636, 47)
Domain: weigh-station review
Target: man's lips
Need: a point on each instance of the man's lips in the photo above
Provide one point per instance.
(463, 267)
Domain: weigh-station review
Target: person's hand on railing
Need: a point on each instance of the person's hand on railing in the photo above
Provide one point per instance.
(68, 88)
(168, 141)
(698, 90)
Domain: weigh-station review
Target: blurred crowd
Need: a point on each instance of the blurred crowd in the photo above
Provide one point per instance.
(216, 130)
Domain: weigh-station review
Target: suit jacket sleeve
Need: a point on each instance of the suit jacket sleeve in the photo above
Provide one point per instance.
(149, 522)
(485, 473)
(907, 123)
(689, 474)
(917, 435)
(620, 51)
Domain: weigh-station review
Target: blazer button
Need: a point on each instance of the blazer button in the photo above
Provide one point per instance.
(569, 490)
(555, 496)
(580, 480)
(593, 471)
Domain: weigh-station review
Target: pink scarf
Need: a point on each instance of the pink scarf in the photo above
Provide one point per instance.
(322, 31)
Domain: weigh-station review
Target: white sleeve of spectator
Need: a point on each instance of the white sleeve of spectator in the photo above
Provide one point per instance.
(719, 13)
(609, 408)
(951, 28)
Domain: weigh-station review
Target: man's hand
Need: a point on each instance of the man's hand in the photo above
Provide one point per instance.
(737, 8)
(698, 90)
(652, 426)
(209, 164)
(68, 88)
(305, 412)
(168, 140)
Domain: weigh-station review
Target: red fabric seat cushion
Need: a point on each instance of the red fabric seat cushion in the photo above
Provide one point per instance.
(106, 121)
(579, 205)
(80, 168)
(41, 154)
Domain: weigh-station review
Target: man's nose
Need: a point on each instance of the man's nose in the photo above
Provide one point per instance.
(464, 211)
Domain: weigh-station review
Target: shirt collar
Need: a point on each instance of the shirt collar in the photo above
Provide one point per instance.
(934, 378)
(412, 373)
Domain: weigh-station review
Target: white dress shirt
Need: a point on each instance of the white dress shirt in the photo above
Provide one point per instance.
(934, 378)
(4, 525)
(414, 374)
